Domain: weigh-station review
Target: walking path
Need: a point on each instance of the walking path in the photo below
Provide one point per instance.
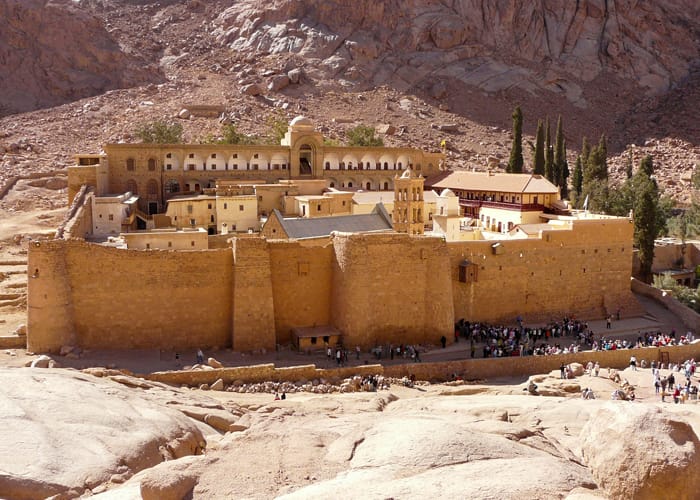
(151, 360)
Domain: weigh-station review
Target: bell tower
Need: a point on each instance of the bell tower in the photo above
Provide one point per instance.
(407, 216)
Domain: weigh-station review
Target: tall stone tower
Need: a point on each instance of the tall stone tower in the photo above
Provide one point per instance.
(408, 203)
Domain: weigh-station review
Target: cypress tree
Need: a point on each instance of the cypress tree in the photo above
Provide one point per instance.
(585, 152)
(596, 168)
(549, 154)
(577, 179)
(646, 219)
(515, 163)
(560, 167)
(564, 176)
(628, 165)
(538, 160)
(647, 166)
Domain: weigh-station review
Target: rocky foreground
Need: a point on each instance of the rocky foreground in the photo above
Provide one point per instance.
(101, 432)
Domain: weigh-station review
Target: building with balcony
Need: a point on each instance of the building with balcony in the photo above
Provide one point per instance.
(501, 201)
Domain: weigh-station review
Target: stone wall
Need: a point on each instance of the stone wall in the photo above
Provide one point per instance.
(469, 369)
(253, 321)
(373, 288)
(302, 286)
(106, 298)
(584, 271)
(690, 318)
(391, 288)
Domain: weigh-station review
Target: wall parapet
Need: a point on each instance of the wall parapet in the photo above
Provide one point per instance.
(690, 318)
(469, 369)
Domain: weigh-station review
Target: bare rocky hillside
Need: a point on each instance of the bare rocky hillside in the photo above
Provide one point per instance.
(435, 70)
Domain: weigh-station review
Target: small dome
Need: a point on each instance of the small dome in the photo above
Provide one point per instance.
(447, 192)
(301, 123)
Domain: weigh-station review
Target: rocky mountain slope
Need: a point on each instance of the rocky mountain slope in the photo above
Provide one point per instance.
(626, 68)
(54, 52)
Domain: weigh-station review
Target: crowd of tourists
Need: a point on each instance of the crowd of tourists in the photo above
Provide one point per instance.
(563, 337)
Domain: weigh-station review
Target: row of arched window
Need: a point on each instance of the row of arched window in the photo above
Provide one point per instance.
(364, 166)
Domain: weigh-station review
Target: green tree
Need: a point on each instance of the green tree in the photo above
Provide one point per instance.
(277, 127)
(548, 153)
(231, 135)
(363, 135)
(515, 163)
(585, 151)
(561, 167)
(647, 166)
(577, 179)
(629, 165)
(645, 223)
(160, 132)
(538, 157)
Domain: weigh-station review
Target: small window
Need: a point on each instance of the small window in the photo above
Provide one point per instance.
(189, 209)
(255, 156)
(240, 208)
(343, 203)
(211, 218)
(151, 164)
(130, 164)
(168, 167)
(148, 246)
(318, 207)
(191, 155)
(111, 216)
(235, 155)
(213, 166)
(260, 198)
(213, 155)
(100, 216)
(169, 155)
(314, 340)
(209, 206)
(191, 243)
(170, 244)
(225, 206)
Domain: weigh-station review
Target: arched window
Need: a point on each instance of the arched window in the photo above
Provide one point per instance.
(152, 187)
(130, 163)
(131, 186)
(328, 165)
(151, 164)
(369, 186)
(386, 165)
(332, 184)
(386, 186)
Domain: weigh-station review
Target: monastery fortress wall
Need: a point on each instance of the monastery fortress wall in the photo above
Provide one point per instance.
(585, 271)
(374, 288)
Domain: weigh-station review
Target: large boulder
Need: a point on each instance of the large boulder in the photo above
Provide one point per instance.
(169, 480)
(640, 452)
(64, 432)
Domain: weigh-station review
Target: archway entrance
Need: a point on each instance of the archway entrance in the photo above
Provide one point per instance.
(306, 159)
